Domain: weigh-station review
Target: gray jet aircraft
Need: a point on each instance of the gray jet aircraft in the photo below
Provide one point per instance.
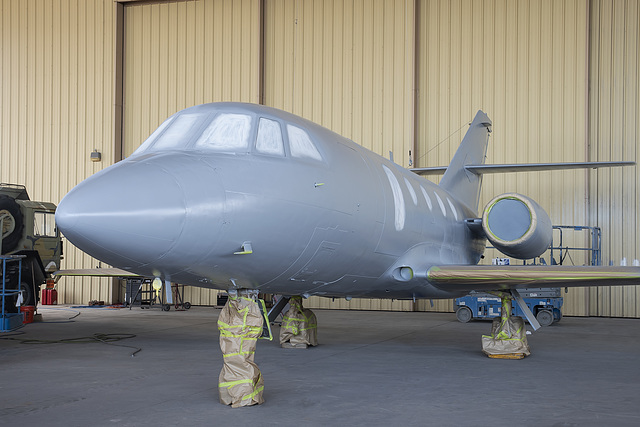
(242, 196)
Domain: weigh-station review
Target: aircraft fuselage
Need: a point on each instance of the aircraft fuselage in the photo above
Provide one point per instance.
(336, 221)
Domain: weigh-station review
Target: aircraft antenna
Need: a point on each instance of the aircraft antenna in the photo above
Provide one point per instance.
(446, 138)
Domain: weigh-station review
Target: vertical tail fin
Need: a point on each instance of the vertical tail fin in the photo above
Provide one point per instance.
(463, 184)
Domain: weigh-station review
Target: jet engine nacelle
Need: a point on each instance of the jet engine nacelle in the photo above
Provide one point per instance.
(517, 226)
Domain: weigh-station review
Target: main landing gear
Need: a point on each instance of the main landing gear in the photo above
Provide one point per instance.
(508, 339)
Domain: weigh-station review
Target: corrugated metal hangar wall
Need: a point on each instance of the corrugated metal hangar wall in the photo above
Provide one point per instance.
(558, 78)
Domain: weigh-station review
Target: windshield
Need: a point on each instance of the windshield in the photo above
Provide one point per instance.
(227, 132)
(231, 132)
(175, 133)
(154, 135)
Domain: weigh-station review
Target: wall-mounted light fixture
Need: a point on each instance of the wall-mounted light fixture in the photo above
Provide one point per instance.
(96, 156)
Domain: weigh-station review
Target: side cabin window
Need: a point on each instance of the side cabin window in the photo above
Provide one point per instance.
(227, 132)
(44, 224)
(269, 140)
(301, 145)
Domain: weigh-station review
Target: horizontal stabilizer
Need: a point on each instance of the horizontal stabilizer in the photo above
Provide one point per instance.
(435, 170)
(96, 272)
(497, 278)
(523, 167)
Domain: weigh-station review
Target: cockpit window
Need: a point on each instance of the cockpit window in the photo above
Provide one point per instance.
(154, 135)
(301, 145)
(227, 132)
(269, 139)
(176, 134)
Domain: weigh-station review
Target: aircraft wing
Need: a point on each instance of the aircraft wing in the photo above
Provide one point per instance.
(530, 167)
(496, 278)
(522, 167)
(96, 272)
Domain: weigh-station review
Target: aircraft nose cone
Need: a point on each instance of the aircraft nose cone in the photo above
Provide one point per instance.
(127, 215)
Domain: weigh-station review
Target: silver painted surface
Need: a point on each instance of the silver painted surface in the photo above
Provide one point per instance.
(201, 203)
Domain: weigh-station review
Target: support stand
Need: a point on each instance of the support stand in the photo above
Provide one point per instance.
(508, 339)
(240, 323)
(299, 326)
(277, 309)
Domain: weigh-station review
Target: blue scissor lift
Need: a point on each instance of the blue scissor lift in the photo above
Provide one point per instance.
(545, 304)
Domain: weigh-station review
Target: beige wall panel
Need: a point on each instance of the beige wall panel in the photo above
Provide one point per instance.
(615, 134)
(200, 296)
(523, 63)
(349, 66)
(358, 304)
(438, 305)
(180, 54)
(56, 92)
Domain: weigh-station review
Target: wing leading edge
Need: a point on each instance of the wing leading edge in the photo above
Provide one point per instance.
(522, 167)
(498, 278)
(96, 272)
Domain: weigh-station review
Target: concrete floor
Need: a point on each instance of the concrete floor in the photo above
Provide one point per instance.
(371, 368)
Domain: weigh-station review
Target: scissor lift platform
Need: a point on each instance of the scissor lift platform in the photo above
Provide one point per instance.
(545, 304)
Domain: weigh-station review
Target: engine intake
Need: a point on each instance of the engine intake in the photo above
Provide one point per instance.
(517, 226)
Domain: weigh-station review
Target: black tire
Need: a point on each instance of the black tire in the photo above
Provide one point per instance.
(545, 317)
(28, 298)
(557, 315)
(187, 305)
(464, 314)
(13, 224)
(166, 307)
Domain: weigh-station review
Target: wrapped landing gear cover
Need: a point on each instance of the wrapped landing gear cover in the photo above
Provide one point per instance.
(508, 337)
(299, 327)
(240, 324)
